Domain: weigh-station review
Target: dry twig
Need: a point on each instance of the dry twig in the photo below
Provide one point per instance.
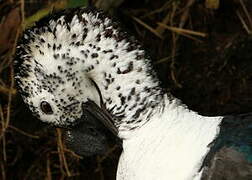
(48, 168)
(183, 31)
(62, 158)
(147, 27)
(246, 12)
(247, 27)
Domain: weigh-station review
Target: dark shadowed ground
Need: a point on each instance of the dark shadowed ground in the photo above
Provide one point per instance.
(202, 55)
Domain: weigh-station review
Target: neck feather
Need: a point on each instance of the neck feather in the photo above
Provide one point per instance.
(128, 86)
(122, 71)
(172, 145)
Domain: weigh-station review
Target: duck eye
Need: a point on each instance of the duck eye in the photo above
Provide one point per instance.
(46, 107)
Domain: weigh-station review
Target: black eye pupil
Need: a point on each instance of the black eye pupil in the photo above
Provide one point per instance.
(46, 107)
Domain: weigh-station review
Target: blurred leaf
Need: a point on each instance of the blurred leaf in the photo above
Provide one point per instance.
(38, 15)
(43, 12)
(52, 7)
(76, 3)
(212, 4)
(9, 26)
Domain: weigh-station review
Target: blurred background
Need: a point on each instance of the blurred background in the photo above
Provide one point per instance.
(201, 50)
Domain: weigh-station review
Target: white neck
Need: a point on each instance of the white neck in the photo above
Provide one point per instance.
(171, 146)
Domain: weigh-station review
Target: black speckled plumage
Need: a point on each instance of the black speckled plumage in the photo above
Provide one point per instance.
(107, 47)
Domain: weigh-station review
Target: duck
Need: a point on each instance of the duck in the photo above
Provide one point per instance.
(79, 70)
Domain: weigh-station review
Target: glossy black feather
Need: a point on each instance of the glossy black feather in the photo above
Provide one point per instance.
(230, 157)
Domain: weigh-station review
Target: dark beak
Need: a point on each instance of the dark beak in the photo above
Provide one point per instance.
(94, 132)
